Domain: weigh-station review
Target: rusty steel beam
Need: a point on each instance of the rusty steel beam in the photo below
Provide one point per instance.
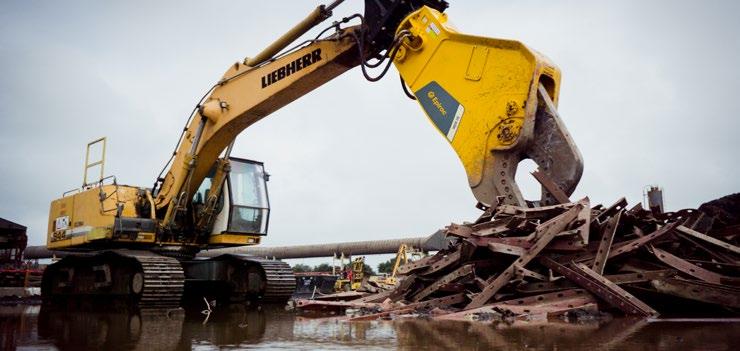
(639, 242)
(601, 287)
(605, 245)
(438, 302)
(522, 242)
(377, 297)
(445, 262)
(551, 187)
(507, 249)
(611, 210)
(709, 239)
(619, 279)
(319, 305)
(585, 218)
(447, 279)
(710, 293)
(423, 263)
(548, 230)
(716, 254)
(687, 267)
(462, 231)
(550, 304)
(523, 272)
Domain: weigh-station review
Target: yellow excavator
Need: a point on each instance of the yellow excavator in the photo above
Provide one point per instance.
(494, 101)
(351, 276)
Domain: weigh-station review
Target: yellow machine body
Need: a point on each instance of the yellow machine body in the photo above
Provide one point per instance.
(480, 93)
(86, 216)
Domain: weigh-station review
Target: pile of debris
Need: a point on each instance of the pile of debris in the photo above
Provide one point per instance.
(569, 259)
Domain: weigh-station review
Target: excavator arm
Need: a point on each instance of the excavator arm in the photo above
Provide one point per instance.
(493, 100)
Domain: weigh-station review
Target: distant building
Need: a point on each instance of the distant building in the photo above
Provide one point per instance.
(13, 240)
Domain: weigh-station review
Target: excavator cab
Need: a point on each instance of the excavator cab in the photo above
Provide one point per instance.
(244, 206)
(249, 207)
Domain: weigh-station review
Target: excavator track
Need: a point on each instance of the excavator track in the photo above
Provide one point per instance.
(144, 278)
(151, 280)
(247, 278)
(163, 281)
(279, 279)
(234, 278)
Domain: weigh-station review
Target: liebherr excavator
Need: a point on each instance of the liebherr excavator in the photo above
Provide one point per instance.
(494, 100)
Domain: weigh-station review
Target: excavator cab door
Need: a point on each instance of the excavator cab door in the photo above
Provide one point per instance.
(249, 206)
(246, 208)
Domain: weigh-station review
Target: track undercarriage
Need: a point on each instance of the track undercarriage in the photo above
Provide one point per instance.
(151, 280)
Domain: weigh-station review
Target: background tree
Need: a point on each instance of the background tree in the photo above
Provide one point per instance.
(367, 269)
(387, 266)
(300, 268)
(324, 267)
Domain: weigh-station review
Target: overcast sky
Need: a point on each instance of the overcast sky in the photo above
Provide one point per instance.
(647, 94)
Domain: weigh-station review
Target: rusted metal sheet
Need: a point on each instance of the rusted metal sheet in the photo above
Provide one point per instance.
(548, 229)
(602, 287)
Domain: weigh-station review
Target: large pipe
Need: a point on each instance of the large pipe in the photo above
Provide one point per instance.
(370, 247)
(433, 242)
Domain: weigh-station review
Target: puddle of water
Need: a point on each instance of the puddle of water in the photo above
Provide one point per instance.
(271, 327)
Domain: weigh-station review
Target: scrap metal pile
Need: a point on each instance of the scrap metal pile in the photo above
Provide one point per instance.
(564, 260)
